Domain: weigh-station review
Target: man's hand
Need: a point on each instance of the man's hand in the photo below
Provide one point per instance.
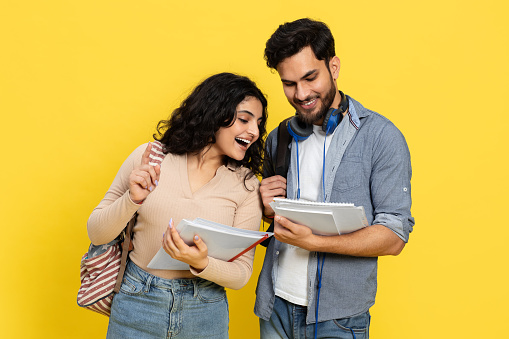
(292, 233)
(270, 188)
(372, 241)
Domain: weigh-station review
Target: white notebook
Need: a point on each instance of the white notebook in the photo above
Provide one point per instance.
(322, 218)
(223, 242)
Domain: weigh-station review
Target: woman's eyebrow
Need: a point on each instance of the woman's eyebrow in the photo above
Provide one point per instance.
(244, 111)
(251, 114)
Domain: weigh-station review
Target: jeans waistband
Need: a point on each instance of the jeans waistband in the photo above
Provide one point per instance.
(171, 284)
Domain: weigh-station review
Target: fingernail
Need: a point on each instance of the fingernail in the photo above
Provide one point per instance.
(171, 219)
(164, 234)
(277, 217)
(157, 183)
(150, 188)
(195, 237)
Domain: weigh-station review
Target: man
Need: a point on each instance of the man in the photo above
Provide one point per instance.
(367, 163)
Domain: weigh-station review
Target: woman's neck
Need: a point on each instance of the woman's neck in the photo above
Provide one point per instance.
(201, 168)
(205, 160)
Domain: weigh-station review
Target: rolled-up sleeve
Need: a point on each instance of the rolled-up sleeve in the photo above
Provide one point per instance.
(390, 182)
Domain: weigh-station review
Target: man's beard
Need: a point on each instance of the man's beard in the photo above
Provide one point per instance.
(326, 104)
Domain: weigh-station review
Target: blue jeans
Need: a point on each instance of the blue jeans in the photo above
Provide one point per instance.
(289, 321)
(151, 307)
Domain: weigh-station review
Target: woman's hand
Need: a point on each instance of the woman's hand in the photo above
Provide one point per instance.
(195, 255)
(144, 178)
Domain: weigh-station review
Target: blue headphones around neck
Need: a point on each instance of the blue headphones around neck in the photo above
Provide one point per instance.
(301, 131)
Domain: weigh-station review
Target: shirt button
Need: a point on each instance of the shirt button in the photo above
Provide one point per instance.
(405, 189)
(277, 252)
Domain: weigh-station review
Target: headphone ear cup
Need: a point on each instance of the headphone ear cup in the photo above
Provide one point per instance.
(298, 129)
(334, 116)
(332, 122)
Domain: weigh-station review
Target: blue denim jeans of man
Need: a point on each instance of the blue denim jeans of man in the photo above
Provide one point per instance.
(289, 321)
(151, 307)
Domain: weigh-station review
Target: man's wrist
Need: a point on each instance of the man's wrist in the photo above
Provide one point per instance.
(268, 213)
(313, 243)
(268, 218)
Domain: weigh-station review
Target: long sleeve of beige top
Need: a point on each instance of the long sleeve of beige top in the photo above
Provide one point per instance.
(224, 199)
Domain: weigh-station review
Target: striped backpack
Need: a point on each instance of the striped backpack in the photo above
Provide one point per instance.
(103, 266)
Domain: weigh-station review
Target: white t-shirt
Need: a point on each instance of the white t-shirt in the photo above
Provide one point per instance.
(292, 273)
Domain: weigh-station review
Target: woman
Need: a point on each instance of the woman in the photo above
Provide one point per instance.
(213, 146)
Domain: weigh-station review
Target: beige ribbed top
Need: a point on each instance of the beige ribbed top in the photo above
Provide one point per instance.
(224, 199)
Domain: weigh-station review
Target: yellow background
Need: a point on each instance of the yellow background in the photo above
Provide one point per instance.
(82, 83)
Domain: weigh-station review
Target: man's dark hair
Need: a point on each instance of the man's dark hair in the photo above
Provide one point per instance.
(291, 37)
(210, 106)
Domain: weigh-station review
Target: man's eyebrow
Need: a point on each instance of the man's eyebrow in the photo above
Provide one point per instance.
(303, 77)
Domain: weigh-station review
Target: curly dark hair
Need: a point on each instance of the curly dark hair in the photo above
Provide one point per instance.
(291, 37)
(212, 105)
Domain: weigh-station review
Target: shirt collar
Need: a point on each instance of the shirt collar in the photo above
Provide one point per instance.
(352, 114)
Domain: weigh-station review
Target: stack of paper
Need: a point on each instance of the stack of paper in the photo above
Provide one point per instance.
(223, 242)
(322, 218)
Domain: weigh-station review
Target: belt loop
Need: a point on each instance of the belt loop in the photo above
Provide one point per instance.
(148, 282)
(195, 288)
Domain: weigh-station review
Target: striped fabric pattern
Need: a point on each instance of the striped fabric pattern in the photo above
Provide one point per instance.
(98, 277)
(99, 273)
(156, 154)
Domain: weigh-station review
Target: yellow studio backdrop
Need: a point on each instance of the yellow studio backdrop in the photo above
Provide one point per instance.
(82, 83)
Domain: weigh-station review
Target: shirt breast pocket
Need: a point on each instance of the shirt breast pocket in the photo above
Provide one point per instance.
(349, 174)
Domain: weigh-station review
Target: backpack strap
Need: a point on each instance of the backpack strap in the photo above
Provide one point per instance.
(126, 247)
(282, 161)
(156, 154)
(282, 156)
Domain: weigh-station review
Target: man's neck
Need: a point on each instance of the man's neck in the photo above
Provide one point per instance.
(337, 100)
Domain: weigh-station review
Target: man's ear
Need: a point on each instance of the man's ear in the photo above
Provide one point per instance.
(334, 66)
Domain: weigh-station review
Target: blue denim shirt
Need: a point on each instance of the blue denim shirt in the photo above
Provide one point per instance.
(368, 164)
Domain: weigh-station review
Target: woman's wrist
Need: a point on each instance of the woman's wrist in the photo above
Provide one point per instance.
(136, 201)
(201, 266)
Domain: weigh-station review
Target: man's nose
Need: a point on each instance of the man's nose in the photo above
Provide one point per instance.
(302, 92)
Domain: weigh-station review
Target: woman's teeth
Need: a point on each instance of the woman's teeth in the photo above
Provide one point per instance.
(244, 141)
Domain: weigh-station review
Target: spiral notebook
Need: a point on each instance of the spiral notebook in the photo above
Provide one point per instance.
(223, 242)
(322, 218)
